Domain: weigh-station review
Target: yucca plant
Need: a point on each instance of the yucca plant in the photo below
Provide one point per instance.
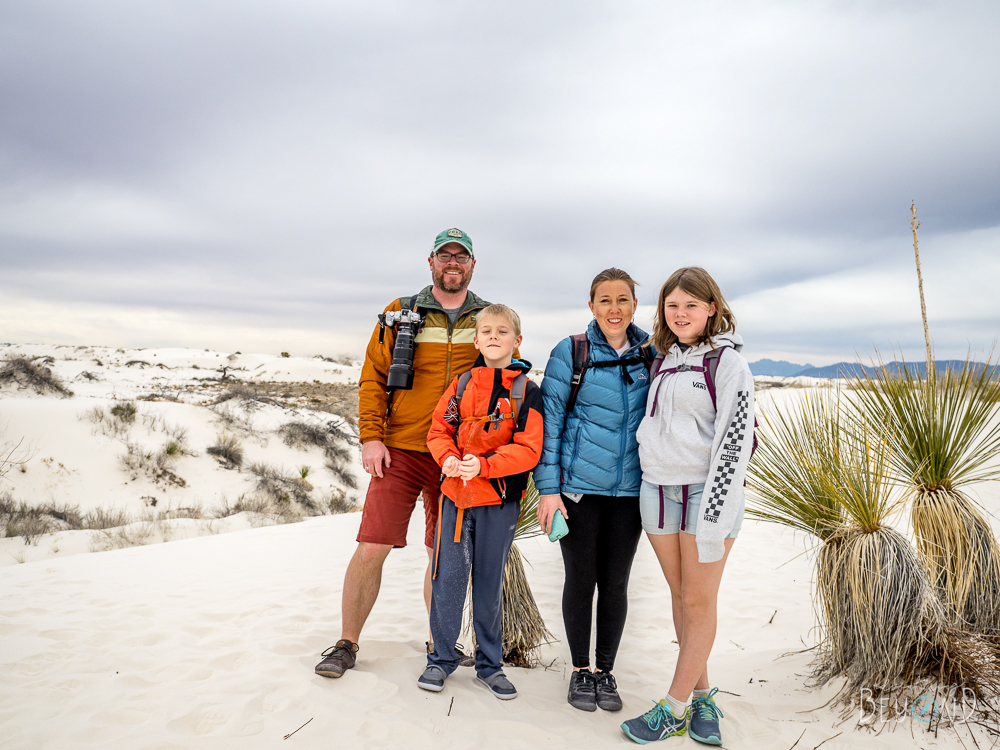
(944, 434)
(822, 469)
(522, 626)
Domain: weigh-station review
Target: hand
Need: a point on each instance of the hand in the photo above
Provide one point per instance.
(451, 466)
(547, 507)
(373, 453)
(469, 467)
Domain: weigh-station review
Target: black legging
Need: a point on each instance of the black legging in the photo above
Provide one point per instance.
(603, 536)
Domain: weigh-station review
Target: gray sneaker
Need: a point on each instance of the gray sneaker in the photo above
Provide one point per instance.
(499, 685)
(432, 679)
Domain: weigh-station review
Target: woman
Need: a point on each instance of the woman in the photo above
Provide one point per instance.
(589, 471)
(695, 441)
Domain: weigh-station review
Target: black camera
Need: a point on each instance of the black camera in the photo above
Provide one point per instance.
(407, 324)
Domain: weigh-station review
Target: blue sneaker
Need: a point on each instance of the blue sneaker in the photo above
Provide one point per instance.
(657, 723)
(705, 717)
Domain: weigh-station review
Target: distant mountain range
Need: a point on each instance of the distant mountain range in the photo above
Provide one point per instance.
(846, 369)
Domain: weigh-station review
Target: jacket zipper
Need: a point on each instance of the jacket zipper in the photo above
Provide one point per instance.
(621, 455)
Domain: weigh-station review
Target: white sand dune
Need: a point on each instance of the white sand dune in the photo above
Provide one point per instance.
(211, 641)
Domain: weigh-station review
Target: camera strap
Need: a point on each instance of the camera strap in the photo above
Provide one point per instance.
(411, 302)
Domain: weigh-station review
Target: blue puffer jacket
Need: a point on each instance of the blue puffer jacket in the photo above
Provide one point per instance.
(593, 450)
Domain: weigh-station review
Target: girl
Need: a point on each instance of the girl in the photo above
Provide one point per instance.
(694, 444)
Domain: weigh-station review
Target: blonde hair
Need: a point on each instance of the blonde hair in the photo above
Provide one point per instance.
(500, 311)
(699, 284)
(611, 274)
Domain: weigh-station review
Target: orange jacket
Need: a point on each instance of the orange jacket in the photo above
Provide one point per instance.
(442, 353)
(482, 424)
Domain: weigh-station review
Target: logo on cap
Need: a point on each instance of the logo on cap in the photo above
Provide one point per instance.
(454, 232)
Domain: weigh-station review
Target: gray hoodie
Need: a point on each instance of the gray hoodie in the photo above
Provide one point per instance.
(686, 441)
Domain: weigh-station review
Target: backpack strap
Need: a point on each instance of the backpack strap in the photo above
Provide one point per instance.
(581, 353)
(710, 366)
(463, 383)
(518, 387)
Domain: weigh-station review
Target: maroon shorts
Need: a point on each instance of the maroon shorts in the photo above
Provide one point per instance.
(391, 499)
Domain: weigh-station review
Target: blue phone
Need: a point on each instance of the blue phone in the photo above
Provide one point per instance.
(559, 527)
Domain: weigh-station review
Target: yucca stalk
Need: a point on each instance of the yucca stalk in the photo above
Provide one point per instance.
(944, 434)
(822, 469)
(522, 626)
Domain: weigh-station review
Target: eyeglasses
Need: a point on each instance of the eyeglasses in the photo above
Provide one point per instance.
(443, 256)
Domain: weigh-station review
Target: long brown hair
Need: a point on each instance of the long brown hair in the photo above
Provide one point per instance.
(699, 284)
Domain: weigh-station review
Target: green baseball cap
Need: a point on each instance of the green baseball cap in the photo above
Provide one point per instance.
(453, 235)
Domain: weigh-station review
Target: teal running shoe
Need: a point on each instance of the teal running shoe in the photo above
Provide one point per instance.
(705, 717)
(657, 723)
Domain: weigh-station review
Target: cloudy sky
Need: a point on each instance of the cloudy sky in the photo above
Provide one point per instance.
(267, 176)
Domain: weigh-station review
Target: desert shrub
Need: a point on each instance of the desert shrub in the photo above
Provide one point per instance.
(304, 471)
(106, 518)
(227, 450)
(341, 502)
(17, 518)
(261, 508)
(137, 461)
(124, 411)
(283, 489)
(105, 423)
(285, 354)
(335, 443)
(23, 372)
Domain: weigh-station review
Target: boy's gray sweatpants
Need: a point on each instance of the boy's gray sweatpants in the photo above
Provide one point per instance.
(487, 533)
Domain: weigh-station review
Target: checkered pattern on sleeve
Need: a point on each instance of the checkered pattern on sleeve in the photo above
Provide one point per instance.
(726, 470)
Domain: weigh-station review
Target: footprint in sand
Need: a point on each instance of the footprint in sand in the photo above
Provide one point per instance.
(203, 720)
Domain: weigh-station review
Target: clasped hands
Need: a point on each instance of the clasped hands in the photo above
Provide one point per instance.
(466, 469)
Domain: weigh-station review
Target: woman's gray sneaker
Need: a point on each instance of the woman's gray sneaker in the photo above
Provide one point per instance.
(582, 691)
(607, 692)
(499, 685)
(338, 659)
(432, 679)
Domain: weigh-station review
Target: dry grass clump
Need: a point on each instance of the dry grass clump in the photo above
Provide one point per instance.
(137, 461)
(283, 489)
(227, 450)
(261, 509)
(341, 502)
(337, 446)
(115, 422)
(822, 468)
(23, 372)
(944, 433)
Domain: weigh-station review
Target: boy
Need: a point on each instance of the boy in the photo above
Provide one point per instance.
(486, 434)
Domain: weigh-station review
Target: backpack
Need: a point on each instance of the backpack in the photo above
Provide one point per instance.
(515, 401)
(709, 367)
(582, 363)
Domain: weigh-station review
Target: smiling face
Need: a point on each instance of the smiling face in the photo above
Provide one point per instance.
(451, 276)
(496, 339)
(613, 307)
(686, 316)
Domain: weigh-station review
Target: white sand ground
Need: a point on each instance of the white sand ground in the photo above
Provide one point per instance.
(211, 641)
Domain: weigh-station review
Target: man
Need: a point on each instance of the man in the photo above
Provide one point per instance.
(394, 428)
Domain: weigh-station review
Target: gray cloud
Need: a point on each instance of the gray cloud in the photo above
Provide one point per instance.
(289, 164)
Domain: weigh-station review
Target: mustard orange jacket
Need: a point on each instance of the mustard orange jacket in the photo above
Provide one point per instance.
(442, 353)
(482, 424)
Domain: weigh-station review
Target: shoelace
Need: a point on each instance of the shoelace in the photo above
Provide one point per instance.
(338, 647)
(657, 715)
(706, 708)
(584, 682)
(605, 681)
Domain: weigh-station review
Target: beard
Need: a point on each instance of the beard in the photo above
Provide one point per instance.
(449, 283)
